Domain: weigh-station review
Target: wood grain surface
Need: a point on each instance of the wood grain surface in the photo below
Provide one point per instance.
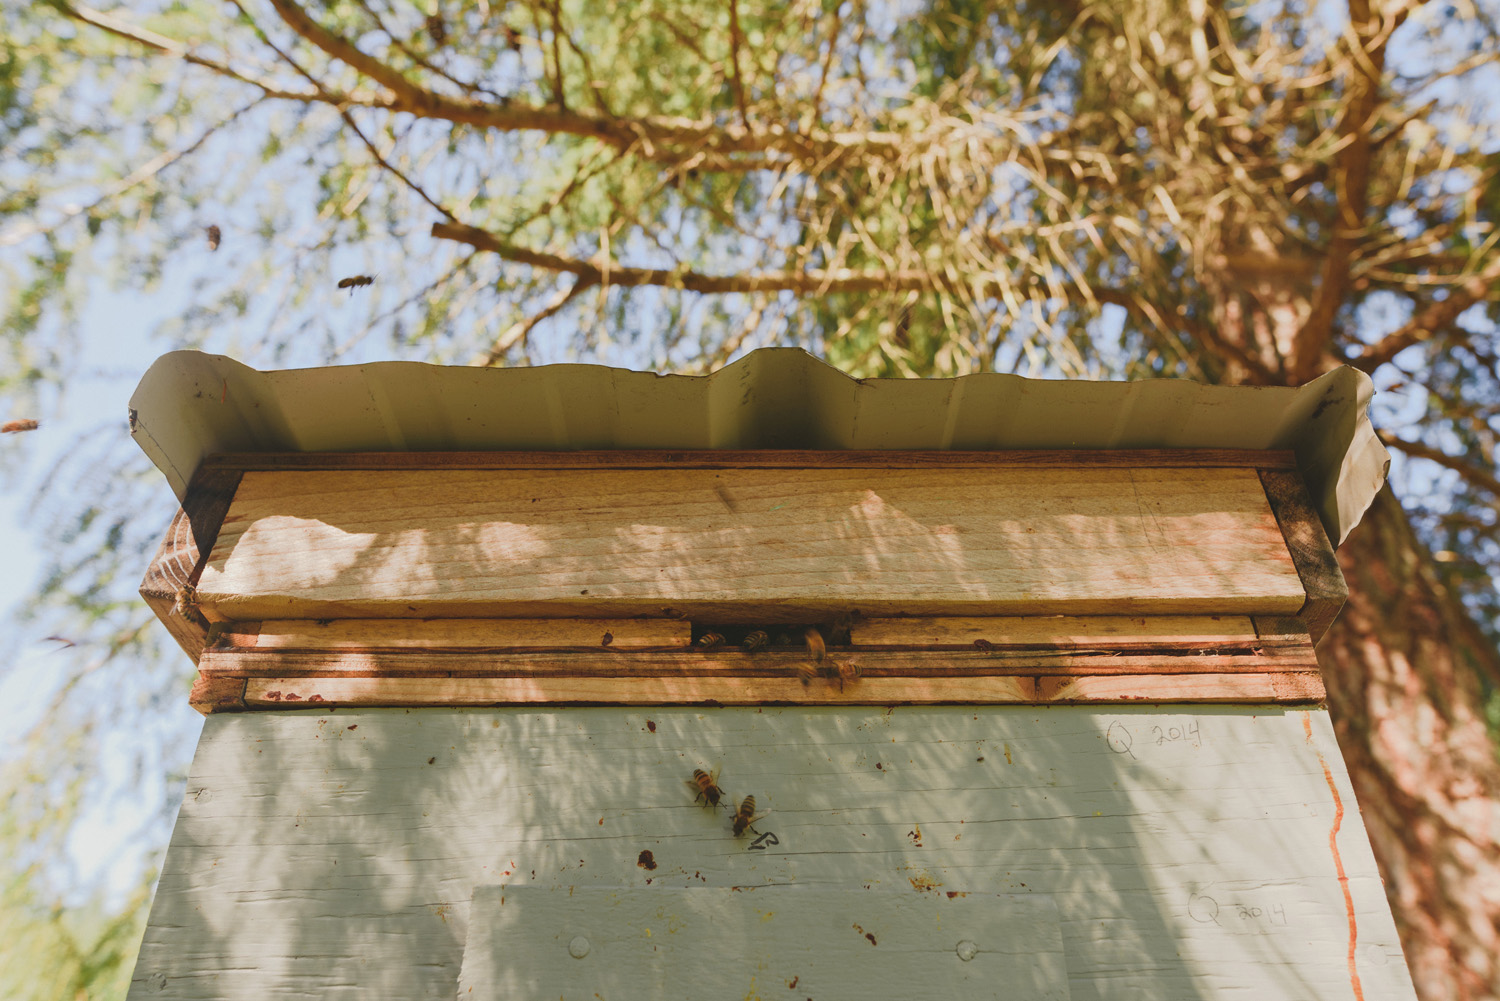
(1312, 553)
(582, 944)
(456, 634)
(1190, 854)
(172, 575)
(748, 544)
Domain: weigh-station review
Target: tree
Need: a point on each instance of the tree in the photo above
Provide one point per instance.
(1239, 194)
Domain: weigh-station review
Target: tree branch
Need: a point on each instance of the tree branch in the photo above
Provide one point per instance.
(144, 172)
(518, 332)
(736, 81)
(1369, 31)
(816, 282)
(175, 49)
(344, 114)
(1428, 322)
(807, 282)
(1471, 474)
(664, 138)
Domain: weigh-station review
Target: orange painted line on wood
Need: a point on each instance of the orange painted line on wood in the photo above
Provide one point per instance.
(1338, 861)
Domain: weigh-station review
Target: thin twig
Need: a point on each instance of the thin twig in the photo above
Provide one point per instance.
(344, 114)
(518, 332)
(1477, 477)
(144, 172)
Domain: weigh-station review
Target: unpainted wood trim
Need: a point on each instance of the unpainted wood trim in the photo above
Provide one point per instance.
(214, 695)
(326, 693)
(1265, 656)
(1281, 628)
(1312, 553)
(1288, 687)
(179, 561)
(1114, 632)
(757, 458)
(477, 635)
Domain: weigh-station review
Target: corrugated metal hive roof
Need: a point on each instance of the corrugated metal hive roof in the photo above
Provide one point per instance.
(190, 405)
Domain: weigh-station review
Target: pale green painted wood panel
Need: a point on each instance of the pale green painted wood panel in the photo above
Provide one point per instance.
(334, 855)
(527, 943)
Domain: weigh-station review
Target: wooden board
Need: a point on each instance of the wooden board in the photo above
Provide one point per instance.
(405, 662)
(1317, 565)
(528, 943)
(1234, 688)
(278, 693)
(235, 662)
(1190, 854)
(779, 458)
(748, 544)
(172, 576)
(1117, 632)
(456, 634)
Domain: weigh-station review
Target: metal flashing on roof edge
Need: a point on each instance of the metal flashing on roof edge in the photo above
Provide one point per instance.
(190, 405)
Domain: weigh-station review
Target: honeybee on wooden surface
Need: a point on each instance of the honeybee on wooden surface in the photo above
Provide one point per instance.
(746, 815)
(710, 640)
(805, 671)
(357, 281)
(844, 670)
(707, 785)
(755, 639)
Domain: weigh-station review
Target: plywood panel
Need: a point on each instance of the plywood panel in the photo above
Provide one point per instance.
(748, 543)
(530, 943)
(1191, 854)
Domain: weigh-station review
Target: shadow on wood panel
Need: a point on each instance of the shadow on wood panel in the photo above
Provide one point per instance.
(335, 854)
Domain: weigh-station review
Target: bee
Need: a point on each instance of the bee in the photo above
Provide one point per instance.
(707, 785)
(755, 640)
(358, 281)
(816, 648)
(806, 671)
(746, 815)
(436, 30)
(14, 427)
(213, 234)
(710, 640)
(844, 670)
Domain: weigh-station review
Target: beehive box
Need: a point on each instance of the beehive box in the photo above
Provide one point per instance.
(1020, 676)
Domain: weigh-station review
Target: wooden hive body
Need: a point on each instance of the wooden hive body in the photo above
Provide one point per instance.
(1061, 730)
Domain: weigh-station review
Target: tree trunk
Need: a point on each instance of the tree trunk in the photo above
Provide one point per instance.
(1403, 664)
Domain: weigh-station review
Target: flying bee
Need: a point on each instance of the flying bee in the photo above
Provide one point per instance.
(746, 815)
(806, 671)
(707, 784)
(357, 281)
(755, 640)
(710, 640)
(16, 427)
(436, 29)
(214, 236)
(816, 648)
